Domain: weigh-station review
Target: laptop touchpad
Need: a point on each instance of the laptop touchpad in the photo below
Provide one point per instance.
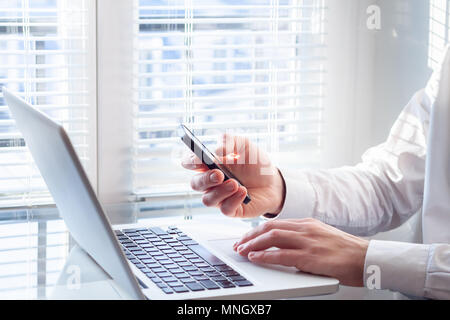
(225, 246)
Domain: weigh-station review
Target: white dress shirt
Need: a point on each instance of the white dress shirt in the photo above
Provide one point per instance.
(410, 171)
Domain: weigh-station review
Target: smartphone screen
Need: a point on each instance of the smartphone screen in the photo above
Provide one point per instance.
(207, 157)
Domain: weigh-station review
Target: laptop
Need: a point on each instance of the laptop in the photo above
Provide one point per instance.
(149, 262)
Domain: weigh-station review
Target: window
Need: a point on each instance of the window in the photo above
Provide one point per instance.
(439, 30)
(45, 57)
(250, 67)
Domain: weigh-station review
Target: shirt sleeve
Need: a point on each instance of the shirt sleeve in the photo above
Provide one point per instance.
(416, 270)
(378, 194)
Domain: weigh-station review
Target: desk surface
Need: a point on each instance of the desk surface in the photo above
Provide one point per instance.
(35, 247)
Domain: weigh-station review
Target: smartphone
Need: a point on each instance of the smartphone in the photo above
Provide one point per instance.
(207, 157)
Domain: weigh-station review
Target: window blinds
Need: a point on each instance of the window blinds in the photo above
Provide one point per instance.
(43, 57)
(439, 31)
(252, 67)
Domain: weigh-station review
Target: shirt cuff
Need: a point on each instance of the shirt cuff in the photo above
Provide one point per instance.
(300, 196)
(396, 266)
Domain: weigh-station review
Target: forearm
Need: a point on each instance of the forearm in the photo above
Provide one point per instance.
(353, 199)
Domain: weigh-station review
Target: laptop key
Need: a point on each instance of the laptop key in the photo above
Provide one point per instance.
(200, 278)
(141, 241)
(158, 231)
(184, 238)
(129, 230)
(237, 278)
(230, 273)
(175, 284)
(207, 269)
(156, 280)
(178, 270)
(244, 283)
(187, 280)
(150, 275)
(226, 284)
(181, 275)
(210, 285)
(184, 264)
(147, 260)
(203, 265)
(189, 268)
(193, 286)
(219, 278)
(206, 255)
(189, 243)
(197, 261)
(224, 268)
(162, 285)
(167, 290)
(164, 275)
(180, 289)
(169, 279)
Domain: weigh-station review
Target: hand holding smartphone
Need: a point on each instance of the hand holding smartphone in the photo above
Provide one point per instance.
(207, 157)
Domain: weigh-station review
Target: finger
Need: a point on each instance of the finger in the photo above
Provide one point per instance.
(203, 181)
(216, 195)
(232, 206)
(282, 239)
(284, 257)
(192, 162)
(267, 227)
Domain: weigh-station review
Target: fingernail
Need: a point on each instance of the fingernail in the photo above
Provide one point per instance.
(230, 186)
(251, 255)
(214, 177)
(241, 248)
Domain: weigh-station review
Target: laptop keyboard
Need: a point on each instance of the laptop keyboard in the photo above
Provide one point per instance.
(175, 262)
